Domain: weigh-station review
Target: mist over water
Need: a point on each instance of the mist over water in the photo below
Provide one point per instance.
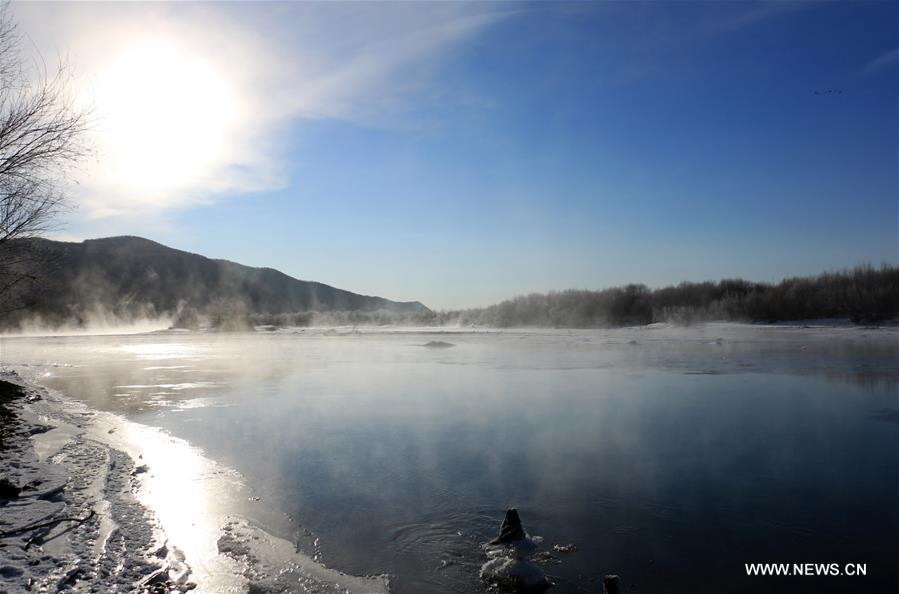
(671, 457)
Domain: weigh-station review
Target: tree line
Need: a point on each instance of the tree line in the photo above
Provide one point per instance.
(864, 294)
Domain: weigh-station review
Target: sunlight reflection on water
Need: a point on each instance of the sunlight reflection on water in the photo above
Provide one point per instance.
(160, 351)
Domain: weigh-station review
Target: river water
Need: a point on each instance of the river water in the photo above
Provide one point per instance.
(671, 457)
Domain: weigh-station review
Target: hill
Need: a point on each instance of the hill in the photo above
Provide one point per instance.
(124, 279)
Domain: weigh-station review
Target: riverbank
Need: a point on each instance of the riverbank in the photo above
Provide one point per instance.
(92, 501)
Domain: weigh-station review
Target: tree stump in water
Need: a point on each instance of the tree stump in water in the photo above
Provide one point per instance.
(510, 530)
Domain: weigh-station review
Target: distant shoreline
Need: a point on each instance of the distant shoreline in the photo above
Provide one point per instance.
(347, 329)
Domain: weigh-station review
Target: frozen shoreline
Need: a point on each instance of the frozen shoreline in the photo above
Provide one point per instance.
(93, 501)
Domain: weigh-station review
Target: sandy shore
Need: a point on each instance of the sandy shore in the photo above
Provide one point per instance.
(92, 502)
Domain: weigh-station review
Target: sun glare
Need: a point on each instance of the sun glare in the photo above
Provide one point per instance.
(164, 118)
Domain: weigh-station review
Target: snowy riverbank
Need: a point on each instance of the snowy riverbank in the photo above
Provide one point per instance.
(91, 501)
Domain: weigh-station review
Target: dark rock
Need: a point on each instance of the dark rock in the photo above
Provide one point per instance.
(611, 584)
(9, 391)
(438, 344)
(511, 529)
(38, 429)
(8, 490)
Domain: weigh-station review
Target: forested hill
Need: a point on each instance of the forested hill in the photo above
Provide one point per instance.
(862, 295)
(122, 279)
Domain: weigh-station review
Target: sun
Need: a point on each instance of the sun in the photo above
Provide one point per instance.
(165, 118)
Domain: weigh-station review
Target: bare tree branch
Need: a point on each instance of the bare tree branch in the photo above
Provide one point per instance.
(42, 134)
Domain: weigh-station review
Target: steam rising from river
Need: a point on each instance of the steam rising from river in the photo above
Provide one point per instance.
(403, 458)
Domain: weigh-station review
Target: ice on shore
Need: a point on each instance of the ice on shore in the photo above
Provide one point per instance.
(515, 574)
(272, 564)
(72, 519)
(95, 503)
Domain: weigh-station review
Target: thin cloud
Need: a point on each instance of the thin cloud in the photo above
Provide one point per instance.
(243, 74)
(882, 61)
(756, 13)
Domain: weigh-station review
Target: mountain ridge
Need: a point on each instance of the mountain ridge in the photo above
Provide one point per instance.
(128, 277)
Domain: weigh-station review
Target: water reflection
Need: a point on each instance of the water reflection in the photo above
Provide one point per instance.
(161, 351)
(192, 497)
(671, 458)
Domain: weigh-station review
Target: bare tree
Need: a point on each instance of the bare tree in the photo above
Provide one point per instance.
(41, 137)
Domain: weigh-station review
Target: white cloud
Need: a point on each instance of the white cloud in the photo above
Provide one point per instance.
(191, 100)
(882, 61)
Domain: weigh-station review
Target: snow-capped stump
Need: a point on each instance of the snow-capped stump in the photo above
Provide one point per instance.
(509, 563)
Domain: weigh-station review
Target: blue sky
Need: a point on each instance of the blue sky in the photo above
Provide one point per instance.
(459, 154)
